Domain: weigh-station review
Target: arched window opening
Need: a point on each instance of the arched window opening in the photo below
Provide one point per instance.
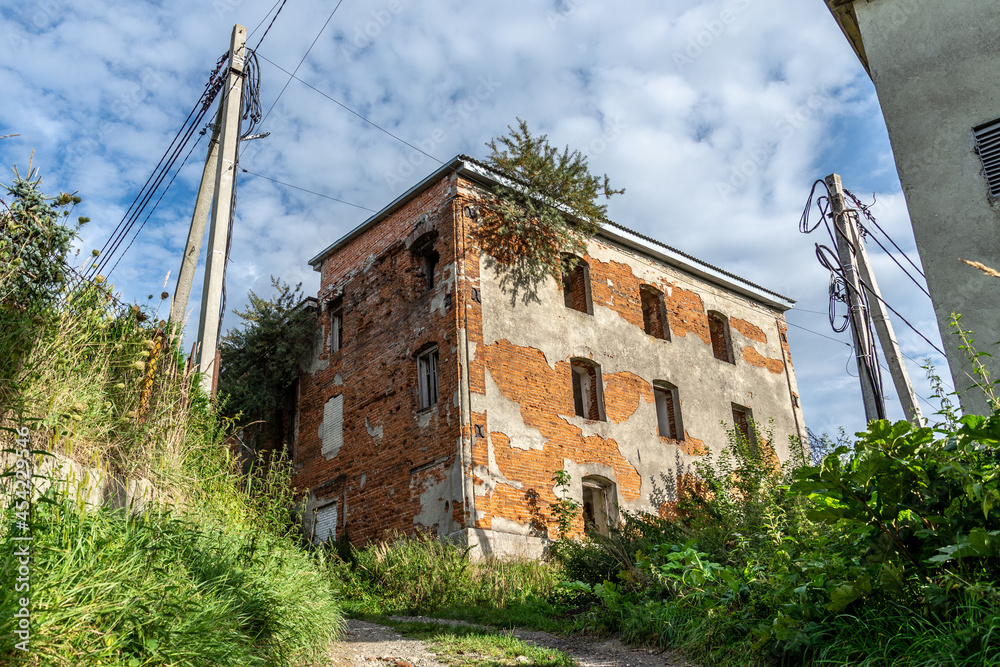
(743, 420)
(718, 328)
(588, 394)
(654, 313)
(576, 284)
(599, 505)
(423, 250)
(668, 411)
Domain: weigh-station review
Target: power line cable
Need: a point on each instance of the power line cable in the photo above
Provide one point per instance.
(276, 2)
(347, 108)
(292, 75)
(136, 235)
(866, 210)
(259, 42)
(318, 194)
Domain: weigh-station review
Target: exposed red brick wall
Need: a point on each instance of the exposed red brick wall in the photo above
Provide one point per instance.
(387, 318)
(749, 330)
(752, 356)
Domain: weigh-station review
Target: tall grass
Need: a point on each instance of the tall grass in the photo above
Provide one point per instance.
(421, 574)
(209, 571)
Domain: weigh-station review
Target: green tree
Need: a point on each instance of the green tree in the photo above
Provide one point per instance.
(34, 243)
(546, 206)
(260, 358)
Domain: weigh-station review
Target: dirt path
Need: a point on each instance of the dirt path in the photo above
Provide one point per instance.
(375, 645)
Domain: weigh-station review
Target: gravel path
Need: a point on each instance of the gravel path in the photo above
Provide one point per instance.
(375, 645)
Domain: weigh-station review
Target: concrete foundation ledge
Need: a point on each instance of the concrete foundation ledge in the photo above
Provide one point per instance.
(497, 544)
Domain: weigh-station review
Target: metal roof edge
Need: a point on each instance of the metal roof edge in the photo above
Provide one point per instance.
(682, 260)
(482, 172)
(454, 164)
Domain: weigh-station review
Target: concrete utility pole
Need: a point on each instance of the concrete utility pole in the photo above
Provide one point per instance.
(225, 179)
(867, 363)
(202, 208)
(883, 327)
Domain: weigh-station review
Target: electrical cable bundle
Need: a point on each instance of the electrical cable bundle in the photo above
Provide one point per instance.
(139, 205)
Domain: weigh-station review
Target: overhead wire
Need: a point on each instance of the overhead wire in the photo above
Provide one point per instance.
(349, 109)
(163, 167)
(306, 55)
(318, 194)
(269, 25)
(866, 211)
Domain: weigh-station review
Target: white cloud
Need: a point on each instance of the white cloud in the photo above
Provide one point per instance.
(716, 115)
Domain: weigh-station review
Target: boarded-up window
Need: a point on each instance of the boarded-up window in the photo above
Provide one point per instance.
(743, 420)
(654, 320)
(332, 430)
(718, 328)
(576, 284)
(588, 395)
(668, 413)
(427, 378)
(325, 524)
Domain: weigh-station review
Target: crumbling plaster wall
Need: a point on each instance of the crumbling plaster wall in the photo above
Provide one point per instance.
(526, 397)
(397, 466)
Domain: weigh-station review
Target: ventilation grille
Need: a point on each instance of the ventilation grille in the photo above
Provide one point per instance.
(988, 147)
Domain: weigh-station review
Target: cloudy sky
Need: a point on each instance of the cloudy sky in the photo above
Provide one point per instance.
(716, 116)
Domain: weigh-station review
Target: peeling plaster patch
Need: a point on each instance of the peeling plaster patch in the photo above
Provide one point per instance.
(338, 380)
(507, 526)
(752, 356)
(434, 500)
(364, 478)
(373, 431)
(505, 416)
(315, 363)
(472, 351)
(491, 473)
(424, 418)
(749, 330)
(444, 288)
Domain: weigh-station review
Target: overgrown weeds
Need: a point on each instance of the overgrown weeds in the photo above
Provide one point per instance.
(201, 570)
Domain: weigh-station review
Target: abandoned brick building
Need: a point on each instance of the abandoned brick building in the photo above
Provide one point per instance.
(434, 402)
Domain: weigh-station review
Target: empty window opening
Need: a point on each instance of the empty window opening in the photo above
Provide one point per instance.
(588, 398)
(325, 523)
(743, 420)
(668, 412)
(427, 378)
(654, 317)
(336, 325)
(718, 328)
(598, 505)
(423, 250)
(576, 284)
(988, 147)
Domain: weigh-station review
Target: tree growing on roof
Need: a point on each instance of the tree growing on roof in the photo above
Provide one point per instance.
(546, 207)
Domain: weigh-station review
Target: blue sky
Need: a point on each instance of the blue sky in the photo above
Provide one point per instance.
(715, 115)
